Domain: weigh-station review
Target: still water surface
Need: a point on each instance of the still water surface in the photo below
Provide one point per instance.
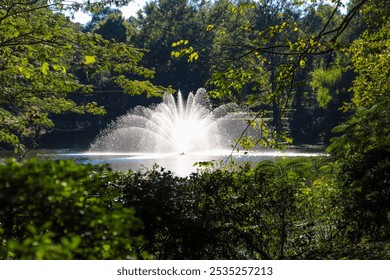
(181, 165)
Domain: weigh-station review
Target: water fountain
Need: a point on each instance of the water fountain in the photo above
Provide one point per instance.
(175, 134)
(176, 126)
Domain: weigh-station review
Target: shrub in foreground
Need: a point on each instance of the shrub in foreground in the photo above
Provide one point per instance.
(61, 210)
(289, 209)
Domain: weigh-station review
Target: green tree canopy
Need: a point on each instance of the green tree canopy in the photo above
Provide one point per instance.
(159, 28)
(41, 52)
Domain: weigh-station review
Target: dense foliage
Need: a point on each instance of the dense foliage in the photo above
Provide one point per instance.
(45, 58)
(292, 209)
(60, 210)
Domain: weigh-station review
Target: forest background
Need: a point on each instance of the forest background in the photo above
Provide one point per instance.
(309, 73)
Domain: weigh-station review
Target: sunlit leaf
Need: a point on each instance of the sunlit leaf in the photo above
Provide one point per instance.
(210, 27)
(89, 59)
(45, 68)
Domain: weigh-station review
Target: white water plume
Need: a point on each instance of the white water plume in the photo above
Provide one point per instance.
(174, 126)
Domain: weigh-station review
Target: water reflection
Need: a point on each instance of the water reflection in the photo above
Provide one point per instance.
(181, 165)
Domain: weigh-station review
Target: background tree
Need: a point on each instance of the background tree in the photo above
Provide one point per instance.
(160, 25)
(99, 16)
(287, 48)
(315, 109)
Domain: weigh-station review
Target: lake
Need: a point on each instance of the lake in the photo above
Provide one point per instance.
(179, 164)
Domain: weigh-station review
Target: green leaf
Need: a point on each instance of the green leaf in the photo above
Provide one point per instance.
(59, 68)
(45, 68)
(340, 128)
(25, 72)
(89, 59)
(210, 27)
(193, 56)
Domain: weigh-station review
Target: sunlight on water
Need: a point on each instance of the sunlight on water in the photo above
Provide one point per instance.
(181, 165)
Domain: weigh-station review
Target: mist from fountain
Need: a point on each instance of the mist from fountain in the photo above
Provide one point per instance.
(174, 126)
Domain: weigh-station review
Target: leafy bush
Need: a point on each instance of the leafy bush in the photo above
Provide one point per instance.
(292, 209)
(252, 213)
(61, 210)
(288, 209)
(362, 153)
(365, 189)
